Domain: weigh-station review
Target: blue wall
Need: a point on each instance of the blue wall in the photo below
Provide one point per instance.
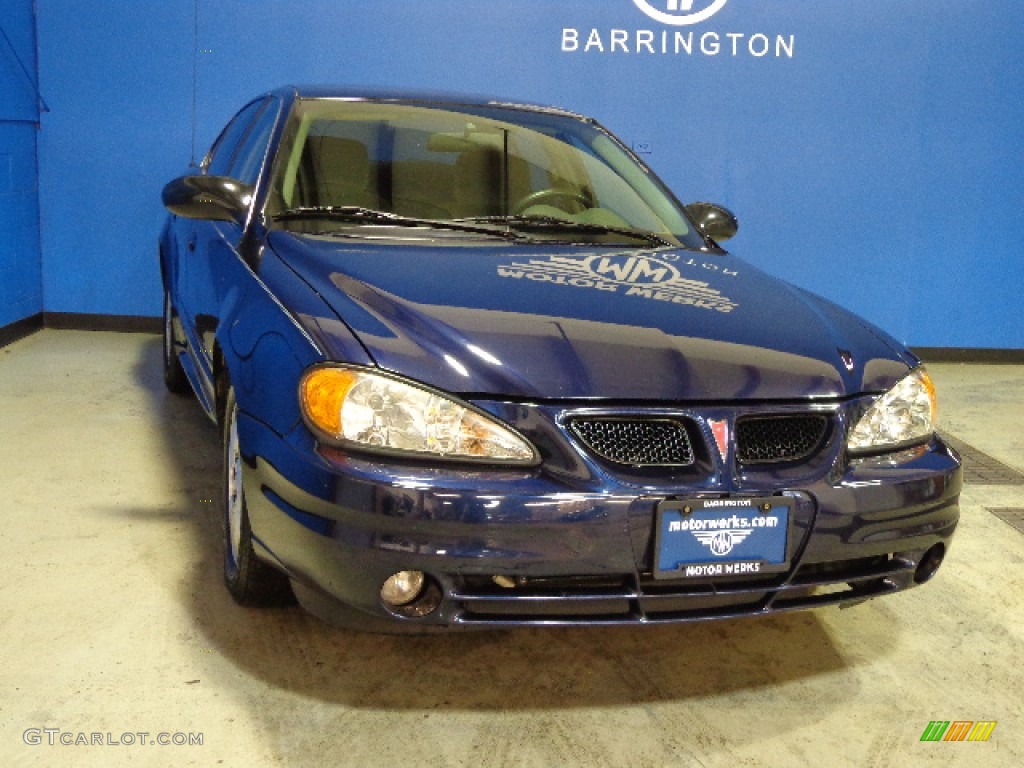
(21, 287)
(872, 149)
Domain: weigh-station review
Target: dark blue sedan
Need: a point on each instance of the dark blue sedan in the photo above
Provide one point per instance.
(474, 365)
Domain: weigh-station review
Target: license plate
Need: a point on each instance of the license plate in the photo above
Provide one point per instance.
(714, 538)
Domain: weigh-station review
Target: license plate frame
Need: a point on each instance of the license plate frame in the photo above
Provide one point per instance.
(722, 538)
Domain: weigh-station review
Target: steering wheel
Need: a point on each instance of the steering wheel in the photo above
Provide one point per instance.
(541, 195)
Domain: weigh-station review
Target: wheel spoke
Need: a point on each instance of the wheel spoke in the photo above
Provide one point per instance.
(235, 498)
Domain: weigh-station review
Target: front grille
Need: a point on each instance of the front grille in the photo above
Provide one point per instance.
(636, 442)
(625, 599)
(770, 439)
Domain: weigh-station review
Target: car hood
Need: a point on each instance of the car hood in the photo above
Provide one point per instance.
(578, 322)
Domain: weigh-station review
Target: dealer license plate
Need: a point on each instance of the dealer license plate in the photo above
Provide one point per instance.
(713, 538)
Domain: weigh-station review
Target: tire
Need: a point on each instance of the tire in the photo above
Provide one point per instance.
(174, 375)
(250, 581)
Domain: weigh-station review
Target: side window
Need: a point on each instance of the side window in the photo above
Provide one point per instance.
(248, 159)
(218, 161)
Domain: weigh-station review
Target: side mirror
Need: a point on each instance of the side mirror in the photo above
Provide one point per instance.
(715, 221)
(214, 198)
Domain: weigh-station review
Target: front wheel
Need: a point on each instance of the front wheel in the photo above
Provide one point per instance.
(249, 580)
(174, 375)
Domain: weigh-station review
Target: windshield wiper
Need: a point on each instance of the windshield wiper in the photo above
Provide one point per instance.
(550, 223)
(355, 213)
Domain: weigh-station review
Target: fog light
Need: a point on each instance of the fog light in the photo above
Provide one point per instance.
(505, 582)
(402, 588)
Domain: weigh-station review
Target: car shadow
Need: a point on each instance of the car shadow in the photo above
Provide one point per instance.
(558, 668)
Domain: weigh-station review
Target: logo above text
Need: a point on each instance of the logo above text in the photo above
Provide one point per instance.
(673, 40)
(681, 13)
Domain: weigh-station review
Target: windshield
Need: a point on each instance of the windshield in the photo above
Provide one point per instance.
(547, 175)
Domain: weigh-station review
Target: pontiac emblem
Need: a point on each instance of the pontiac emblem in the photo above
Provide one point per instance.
(720, 429)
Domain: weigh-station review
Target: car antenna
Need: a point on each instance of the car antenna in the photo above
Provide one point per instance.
(195, 76)
(505, 186)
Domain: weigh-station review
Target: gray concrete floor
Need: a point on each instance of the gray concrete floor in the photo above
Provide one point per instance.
(114, 621)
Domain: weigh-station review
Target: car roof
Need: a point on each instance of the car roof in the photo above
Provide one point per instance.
(413, 96)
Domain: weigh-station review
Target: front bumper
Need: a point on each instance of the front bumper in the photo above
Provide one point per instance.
(575, 545)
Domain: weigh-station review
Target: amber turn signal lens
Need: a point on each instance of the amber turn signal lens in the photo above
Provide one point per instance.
(323, 393)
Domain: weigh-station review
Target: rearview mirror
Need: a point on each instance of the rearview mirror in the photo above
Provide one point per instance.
(715, 221)
(214, 198)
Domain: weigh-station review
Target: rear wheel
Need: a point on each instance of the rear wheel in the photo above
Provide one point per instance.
(174, 375)
(249, 580)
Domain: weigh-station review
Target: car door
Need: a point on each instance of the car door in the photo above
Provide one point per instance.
(211, 253)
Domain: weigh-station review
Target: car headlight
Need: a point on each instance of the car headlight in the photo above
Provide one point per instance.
(373, 411)
(904, 415)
